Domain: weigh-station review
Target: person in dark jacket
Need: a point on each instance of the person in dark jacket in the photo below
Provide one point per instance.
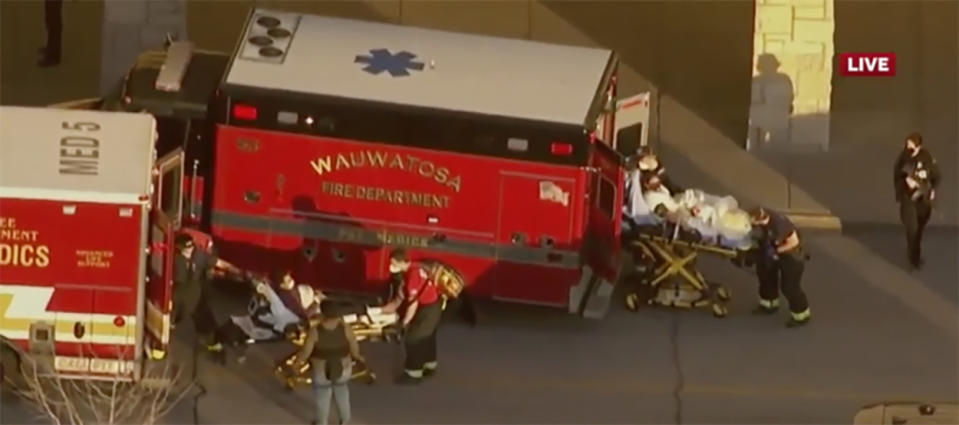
(331, 346)
(192, 270)
(915, 179)
(53, 17)
(780, 266)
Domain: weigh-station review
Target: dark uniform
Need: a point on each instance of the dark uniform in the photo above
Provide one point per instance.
(191, 288)
(53, 17)
(915, 204)
(420, 337)
(781, 272)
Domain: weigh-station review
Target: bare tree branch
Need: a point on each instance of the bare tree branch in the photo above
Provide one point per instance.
(114, 400)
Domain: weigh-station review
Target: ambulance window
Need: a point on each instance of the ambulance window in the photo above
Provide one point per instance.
(170, 194)
(607, 197)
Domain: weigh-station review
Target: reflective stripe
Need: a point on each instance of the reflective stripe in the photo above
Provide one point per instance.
(414, 373)
(803, 315)
(334, 232)
(769, 303)
(430, 365)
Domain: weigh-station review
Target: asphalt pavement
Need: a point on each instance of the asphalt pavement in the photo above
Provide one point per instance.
(879, 333)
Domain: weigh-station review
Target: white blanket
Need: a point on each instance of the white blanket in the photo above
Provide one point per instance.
(717, 219)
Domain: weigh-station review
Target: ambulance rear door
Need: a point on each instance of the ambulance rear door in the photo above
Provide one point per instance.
(165, 220)
(632, 124)
(602, 250)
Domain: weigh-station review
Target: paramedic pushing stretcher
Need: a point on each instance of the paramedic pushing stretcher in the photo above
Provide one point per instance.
(421, 313)
(780, 266)
(192, 270)
(915, 177)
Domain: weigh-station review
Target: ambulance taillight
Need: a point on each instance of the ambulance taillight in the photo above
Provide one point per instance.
(560, 148)
(244, 112)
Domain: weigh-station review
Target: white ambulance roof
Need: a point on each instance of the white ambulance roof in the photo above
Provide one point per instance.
(462, 72)
(40, 158)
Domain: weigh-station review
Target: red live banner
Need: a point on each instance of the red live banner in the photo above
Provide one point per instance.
(867, 64)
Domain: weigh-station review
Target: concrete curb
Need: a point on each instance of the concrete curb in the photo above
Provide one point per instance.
(817, 221)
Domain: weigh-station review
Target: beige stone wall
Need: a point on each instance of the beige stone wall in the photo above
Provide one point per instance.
(799, 35)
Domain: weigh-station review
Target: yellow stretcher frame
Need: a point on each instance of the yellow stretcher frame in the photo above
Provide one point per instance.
(673, 258)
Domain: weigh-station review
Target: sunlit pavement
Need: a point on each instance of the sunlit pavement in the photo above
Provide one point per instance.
(868, 343)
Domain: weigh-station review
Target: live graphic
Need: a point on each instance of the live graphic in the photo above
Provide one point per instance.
(867, 64)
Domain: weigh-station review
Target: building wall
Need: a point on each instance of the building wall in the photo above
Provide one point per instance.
(696, 57)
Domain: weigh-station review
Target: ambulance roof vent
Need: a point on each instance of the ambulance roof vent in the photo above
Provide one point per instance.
(174, 67)
(269, 36)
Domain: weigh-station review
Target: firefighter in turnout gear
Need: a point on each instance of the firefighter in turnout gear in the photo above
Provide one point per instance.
(915, 178)
(192, 270)
(780, 266)
(421, 311)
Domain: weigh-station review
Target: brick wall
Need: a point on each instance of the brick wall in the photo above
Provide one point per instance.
(799, 35)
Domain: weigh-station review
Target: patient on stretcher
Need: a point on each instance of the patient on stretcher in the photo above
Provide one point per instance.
(716, 220)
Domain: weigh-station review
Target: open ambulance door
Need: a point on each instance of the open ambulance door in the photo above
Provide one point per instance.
(165, 220)
(631, 124)
(602, 245)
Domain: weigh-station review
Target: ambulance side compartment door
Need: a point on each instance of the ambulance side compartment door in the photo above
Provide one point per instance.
(165, 219)
(602, 247)
(632, 124)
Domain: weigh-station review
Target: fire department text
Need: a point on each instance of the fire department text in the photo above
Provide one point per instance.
(80, 154)
(381, 159)
(379, 194)
(385, 238)
(18, 247)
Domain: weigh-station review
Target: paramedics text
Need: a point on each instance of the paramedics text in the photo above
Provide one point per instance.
(19, 247)
(379, 159)
(79, 151)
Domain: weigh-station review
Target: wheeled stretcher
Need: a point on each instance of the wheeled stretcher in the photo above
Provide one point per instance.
(665, 258)
(372, 324)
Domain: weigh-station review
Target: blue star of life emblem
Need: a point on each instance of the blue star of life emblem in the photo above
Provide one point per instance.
(398, 65)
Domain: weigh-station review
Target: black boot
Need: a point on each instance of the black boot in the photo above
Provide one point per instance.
(765, 311)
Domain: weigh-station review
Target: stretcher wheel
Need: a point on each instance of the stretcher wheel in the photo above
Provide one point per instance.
(720, 310)
(723, 294)
(632, 302)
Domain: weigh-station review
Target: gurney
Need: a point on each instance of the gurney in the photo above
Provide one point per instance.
(372, 324)
(665, 256)
(268, 320)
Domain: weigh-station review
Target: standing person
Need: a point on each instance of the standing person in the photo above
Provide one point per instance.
(915, 179)
(53, 17)
(421, 311)
(780, 266)
(331, 346)
(192, 270)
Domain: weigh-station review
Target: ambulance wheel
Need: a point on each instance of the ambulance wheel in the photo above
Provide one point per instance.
(719, 310)
(723, 294)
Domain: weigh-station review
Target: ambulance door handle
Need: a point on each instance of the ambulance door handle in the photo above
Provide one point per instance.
(518, 238)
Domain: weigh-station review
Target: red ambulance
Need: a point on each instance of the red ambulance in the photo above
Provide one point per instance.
(87, 214)
(333, 140)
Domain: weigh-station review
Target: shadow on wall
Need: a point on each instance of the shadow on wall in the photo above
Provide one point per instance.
(772, 105)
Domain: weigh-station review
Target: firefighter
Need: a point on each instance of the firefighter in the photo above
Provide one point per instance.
(780, 266)
(192, 270)
(915, 179)
(421, 311)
